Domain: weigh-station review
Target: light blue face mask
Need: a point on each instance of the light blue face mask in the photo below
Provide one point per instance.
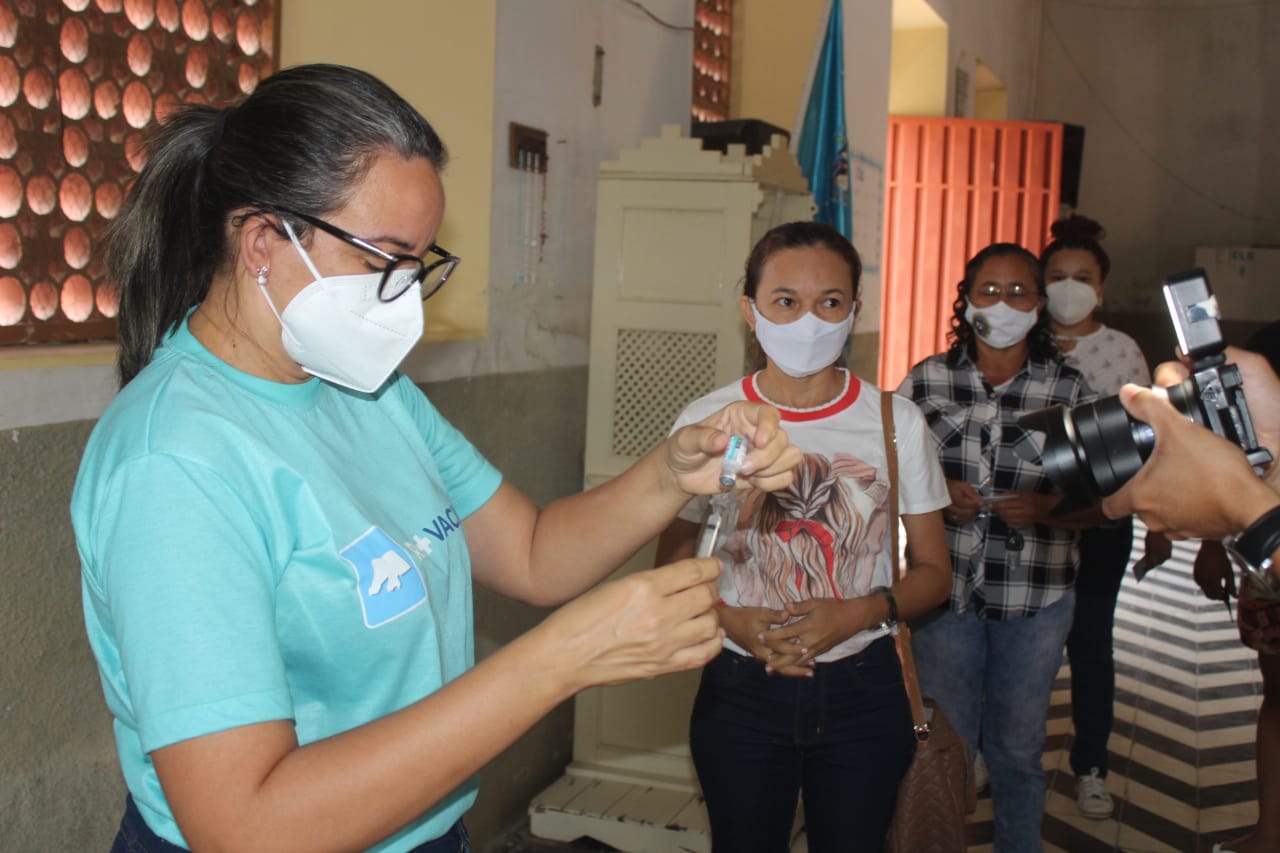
(338, 329)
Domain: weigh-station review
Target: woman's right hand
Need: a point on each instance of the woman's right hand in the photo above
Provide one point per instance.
(746, 625)
(965, 502)
(641, 626)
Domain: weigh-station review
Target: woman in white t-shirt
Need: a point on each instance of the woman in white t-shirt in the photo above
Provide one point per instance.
(807, 696)
(1075, 271)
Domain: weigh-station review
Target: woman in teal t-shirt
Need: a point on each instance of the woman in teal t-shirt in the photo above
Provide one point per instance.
(279, 534)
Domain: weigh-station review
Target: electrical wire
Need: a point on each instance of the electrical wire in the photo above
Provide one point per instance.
(1142, 149)
(656, 19)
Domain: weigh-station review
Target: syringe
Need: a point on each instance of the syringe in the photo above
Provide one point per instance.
(722, 512)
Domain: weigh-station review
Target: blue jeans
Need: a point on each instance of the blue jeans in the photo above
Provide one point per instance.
(993, 680)
(842, 738)
(1104, 555)
(134, 836)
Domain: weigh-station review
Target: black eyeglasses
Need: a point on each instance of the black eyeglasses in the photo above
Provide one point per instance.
(402, 271)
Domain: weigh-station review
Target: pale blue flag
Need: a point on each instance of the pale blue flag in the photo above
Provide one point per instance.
(823, 148)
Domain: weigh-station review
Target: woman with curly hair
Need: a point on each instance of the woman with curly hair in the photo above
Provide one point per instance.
(807, 696)
(990, 656)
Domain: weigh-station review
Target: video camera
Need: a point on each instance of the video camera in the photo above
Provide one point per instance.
(1090, 451)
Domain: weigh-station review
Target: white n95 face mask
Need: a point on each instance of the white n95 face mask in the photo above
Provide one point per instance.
(1000, 325)
(338, 329)
(1071, 300)
(803, 347)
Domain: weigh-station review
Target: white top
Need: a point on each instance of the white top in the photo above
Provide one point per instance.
(1108, 359)
(827, 535)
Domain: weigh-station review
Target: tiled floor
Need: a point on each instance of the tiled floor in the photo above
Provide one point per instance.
(1182, 751)
(1182, 771)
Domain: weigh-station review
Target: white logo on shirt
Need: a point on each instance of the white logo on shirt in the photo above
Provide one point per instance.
(387, 570)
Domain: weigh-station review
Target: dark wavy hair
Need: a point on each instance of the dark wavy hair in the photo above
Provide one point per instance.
(1077, 232)
(961, 338)
(303, 140)
(795, 235)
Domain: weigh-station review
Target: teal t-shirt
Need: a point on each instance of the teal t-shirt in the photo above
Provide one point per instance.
(257, 551)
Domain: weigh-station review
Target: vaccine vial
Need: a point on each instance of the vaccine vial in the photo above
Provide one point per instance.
(735, 456)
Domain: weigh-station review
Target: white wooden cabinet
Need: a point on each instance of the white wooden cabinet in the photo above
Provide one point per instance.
(674, 226)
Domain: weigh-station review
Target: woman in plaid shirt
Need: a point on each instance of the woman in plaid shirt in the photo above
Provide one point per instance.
(989, 658)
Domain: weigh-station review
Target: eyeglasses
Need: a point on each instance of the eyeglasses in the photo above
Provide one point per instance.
(1014, 293)
(401, 271)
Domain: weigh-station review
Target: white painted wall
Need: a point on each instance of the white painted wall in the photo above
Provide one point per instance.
(545, 55)
(868, 45)
(1181, 111)
(1004, 35)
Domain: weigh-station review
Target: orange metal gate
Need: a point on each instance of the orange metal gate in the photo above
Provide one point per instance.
(952, 187)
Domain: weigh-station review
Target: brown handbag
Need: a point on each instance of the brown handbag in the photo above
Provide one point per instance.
(939, 788)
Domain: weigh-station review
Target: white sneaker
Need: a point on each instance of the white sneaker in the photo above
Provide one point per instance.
(981, 778)
(1091, 796)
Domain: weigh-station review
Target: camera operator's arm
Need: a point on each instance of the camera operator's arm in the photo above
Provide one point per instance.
(1196, 483)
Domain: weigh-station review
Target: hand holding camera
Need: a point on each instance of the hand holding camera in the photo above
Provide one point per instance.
(1196, 483)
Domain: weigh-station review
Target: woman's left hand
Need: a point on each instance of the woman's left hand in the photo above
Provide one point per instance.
(694, 453)
(822, 623)
(1020, 511)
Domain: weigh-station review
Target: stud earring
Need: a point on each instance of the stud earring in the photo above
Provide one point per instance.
(262, 276)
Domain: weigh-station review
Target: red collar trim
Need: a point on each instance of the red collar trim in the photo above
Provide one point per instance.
(836, 406)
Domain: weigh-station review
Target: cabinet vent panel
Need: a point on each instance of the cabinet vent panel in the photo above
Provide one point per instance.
(658, 374)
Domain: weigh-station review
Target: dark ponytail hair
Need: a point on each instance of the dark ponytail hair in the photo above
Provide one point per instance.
(302, 140)
(961, 338)
(800, 235)
(1077, 232)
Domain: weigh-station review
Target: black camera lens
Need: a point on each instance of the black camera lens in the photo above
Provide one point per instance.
(1092, 450)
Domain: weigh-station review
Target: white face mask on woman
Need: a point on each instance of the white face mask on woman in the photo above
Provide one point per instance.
(1000, 325)
(1071, 300)
(804, 347)
(338, 329)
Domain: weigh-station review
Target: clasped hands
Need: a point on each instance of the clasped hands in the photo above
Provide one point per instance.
(787, 641)
(1018, 510)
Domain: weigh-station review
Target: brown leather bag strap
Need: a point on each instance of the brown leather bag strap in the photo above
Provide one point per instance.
(909, 676)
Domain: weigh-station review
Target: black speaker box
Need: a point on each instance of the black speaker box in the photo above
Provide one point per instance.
(1072, 160)
(751, 132)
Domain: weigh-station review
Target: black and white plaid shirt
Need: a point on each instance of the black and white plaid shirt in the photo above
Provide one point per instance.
(979, 441)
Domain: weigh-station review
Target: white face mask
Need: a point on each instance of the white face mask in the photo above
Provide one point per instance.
(803, 347)
(1071, 300)
(338, 329)
(1000, 325)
